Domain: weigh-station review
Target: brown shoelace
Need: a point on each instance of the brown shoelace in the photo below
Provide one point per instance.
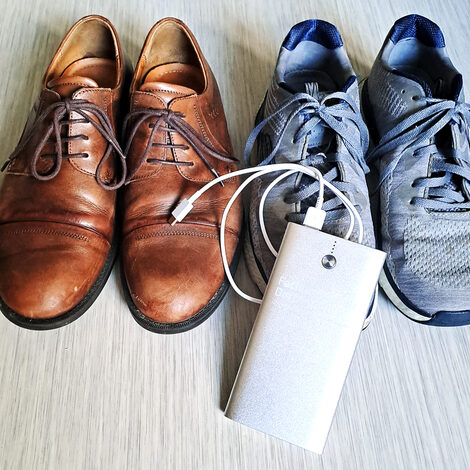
(174, 124)
(60, 111)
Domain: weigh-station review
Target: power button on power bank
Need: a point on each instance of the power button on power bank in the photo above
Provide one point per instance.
(328, 261)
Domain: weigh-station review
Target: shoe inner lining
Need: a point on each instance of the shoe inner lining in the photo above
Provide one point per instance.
(170, 44)
(176, 73)
(429, 64)
(312, 62)
(91, 39)
(102, 71)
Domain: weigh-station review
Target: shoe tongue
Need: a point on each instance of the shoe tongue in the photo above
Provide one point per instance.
(65, 86)
(314, 89)
(163, 81)
(320, 135)
(167, 88)
(73, 77)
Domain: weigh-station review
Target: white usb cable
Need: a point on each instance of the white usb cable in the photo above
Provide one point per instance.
(314, 218)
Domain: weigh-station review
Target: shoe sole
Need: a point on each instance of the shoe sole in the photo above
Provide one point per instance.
(75, 312)
(399, 304)
(186, 325)
(441, 318)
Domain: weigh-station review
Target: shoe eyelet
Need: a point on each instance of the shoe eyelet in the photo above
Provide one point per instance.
(403, 92)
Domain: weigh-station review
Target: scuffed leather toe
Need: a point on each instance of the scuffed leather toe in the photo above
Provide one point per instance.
(172, 273)
(45, 270)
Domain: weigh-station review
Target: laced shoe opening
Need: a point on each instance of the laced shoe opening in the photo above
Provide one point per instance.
(313, 52)
(171, 57)
(416, 50)
(89, 50)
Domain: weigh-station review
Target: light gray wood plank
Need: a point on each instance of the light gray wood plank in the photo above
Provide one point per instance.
(103, 393)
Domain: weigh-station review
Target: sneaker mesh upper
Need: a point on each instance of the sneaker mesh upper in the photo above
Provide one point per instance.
(437, 251)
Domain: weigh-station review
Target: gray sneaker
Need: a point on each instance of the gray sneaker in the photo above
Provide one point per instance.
(310, 116)
(414, 104)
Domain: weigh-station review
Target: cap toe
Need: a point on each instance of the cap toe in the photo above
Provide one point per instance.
(173, 274)
(44, 272)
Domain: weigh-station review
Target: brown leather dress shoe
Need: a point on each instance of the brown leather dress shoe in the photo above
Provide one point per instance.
(57, 201)
(177, 141)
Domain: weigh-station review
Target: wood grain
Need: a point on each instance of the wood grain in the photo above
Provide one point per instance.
(103, 393)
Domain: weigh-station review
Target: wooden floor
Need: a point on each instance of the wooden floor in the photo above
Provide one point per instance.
(103, 393)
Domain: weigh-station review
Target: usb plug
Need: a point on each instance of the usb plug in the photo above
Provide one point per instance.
(315, 218)
(181, 211)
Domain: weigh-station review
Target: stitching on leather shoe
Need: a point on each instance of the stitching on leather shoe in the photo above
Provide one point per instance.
(105, 105)
(196, 113)
(48, 232)
(206, 137)
(165, 90)
(137, 103)
(179, 232)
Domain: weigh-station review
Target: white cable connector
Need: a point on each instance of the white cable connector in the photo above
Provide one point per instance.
(314, 218)
(181, 211)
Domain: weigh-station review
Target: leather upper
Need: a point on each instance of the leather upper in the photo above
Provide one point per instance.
(173, 271)
(55, 234)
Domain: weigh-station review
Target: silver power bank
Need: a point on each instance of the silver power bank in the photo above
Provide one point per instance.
(304, 336)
